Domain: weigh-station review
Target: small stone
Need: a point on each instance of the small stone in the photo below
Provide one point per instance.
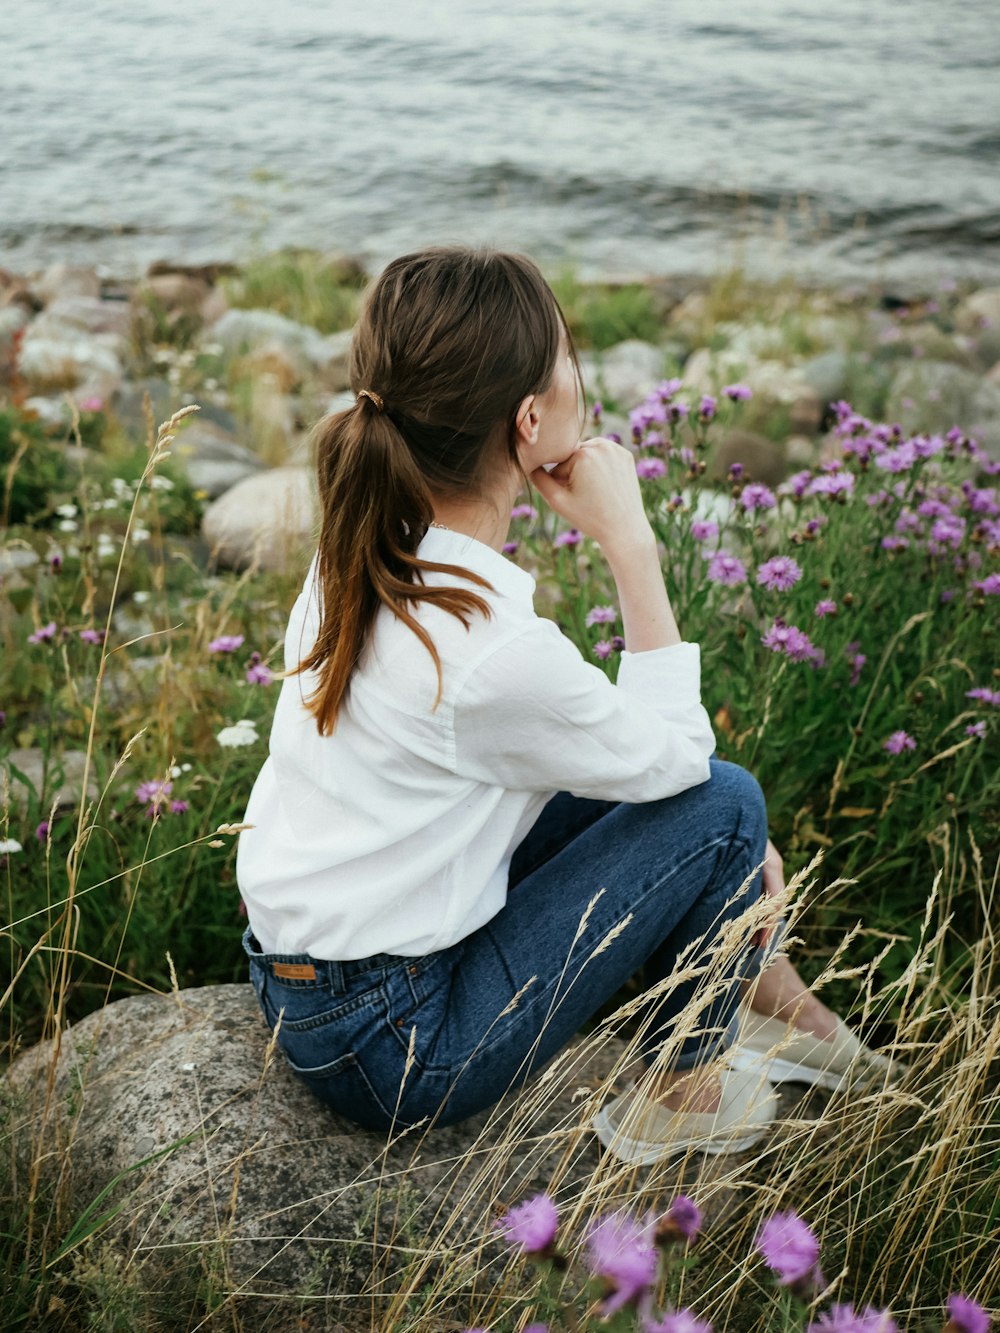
(271, 516)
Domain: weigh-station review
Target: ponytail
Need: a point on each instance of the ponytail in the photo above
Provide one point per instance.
(376, 510)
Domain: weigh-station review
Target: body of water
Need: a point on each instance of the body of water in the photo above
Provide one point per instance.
(850, 140)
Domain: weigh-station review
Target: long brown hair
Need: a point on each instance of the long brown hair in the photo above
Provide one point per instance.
(451, 338)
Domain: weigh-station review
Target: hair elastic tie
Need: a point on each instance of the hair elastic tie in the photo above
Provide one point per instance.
(376, 398)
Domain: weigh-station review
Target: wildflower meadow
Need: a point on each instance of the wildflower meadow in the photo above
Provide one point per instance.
(847, 617)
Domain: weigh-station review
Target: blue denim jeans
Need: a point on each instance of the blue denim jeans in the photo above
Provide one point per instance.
(348, 1029)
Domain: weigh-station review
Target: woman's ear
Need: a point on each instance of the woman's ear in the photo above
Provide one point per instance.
(526, 420)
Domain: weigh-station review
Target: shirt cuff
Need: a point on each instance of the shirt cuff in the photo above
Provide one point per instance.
(677, 668)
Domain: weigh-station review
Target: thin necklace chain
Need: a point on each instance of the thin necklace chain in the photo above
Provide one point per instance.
(440, 525)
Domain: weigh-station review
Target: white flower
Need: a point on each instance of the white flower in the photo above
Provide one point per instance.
(141, 596)
(67, 511)
(161, 484)
(68, 525)
(243, 732)
(10, 845)
(140, 534)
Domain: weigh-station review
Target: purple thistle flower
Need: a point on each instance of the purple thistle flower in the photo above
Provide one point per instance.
(855, 660)
(946, 533)
(703, 529)
(509, 548)
(92, 635)
(738, 393)
(990, 585)
(525, 511)
(536, 1328)
(984, 695)
(965, 1316)
(736, 471)
(757, 496)
(892, 543)
(790, 1248)
(796, 484)
(531, 1225)
(602, 649)
(976, 729)
(619, 1249)
(666, 389)
(597, 411)
(825, 607)
(41, 832)
(258, 672)
(601, 615)
(617, 643)
(898, 742)
(844, 1319)
(726, 569)
(779, 573)
(989, 531)
(154, 791)
(681, 1221)
(226, 643)
(650, 468)
(794, 643)
(44, 634)
(55, 562)
(179, 807)
(832, 484)
(573, 537)
(681, 1321)
(707, 407)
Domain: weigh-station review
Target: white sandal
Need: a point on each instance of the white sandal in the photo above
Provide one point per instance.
(640, 1131)
(786, 1054)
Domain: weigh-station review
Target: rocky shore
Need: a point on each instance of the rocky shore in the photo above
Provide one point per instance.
(74, 341)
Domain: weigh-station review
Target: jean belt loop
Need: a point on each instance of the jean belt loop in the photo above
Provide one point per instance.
(336, 975)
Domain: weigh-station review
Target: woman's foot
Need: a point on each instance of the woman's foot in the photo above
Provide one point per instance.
(779, 992)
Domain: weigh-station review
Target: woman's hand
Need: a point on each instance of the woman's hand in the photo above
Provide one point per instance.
(597, 490)
(774, 885)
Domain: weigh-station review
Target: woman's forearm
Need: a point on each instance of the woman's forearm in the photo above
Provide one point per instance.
(647, 616)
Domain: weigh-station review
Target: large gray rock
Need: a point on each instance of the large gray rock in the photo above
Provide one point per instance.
(213, 460)
(60, 280)
(227, 1164)
(70, 315)
(978, 311)
(240, 332)
(272, 516)
(628, 371)
(69, 360)
(935, 395)
(60, 779)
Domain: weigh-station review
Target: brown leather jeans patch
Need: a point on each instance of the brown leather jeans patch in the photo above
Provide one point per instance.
(295, 971)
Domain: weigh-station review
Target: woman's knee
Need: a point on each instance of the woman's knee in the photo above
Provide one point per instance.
(739, 802)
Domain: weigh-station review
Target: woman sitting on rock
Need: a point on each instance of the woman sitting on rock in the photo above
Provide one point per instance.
(451, 789)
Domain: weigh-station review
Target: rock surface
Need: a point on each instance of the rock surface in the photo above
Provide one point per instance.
(272, 515)
(628, 371)
(213, 460)
(243, 1171)
(31, 762)
(936, 395)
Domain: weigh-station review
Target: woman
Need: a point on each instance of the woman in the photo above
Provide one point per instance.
(450, 784)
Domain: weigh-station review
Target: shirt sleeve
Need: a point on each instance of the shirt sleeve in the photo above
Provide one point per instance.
(534, 715)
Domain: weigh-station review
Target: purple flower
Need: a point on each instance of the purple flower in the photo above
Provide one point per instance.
(527, 511)
(757, 496)
(990, 585)
(706, 408)
(601, 615)
(258, 672)
(681, 1221)
(965, 1316)
(650, 468)
(736, 471)
(55, 562)
(976, 729)
(892, 543)
(703, 529)
(602, 649)
(155, 792)
(44, 634)
(179, 807)
(984, 695)
(826, 607)
(726, 569)
(898, 742)
(617, 643)
(832, 483)
(794, 643)
(779, 573)
(844, 1319)
(619, 1249)
(226, 643)
(573, 537)
(796, 484)
(536, 1328)
(855, 660)
(790, 1249)
(41, 832)
(531, 1225)
(509, 548)
(739, 393)
(946, 533)
(681, 1321)
(92, 635)
(666, 389)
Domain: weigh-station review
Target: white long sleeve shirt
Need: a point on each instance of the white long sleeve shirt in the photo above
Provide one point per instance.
(395, 833)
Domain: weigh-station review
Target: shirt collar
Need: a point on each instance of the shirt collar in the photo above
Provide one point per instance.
(444, 546)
